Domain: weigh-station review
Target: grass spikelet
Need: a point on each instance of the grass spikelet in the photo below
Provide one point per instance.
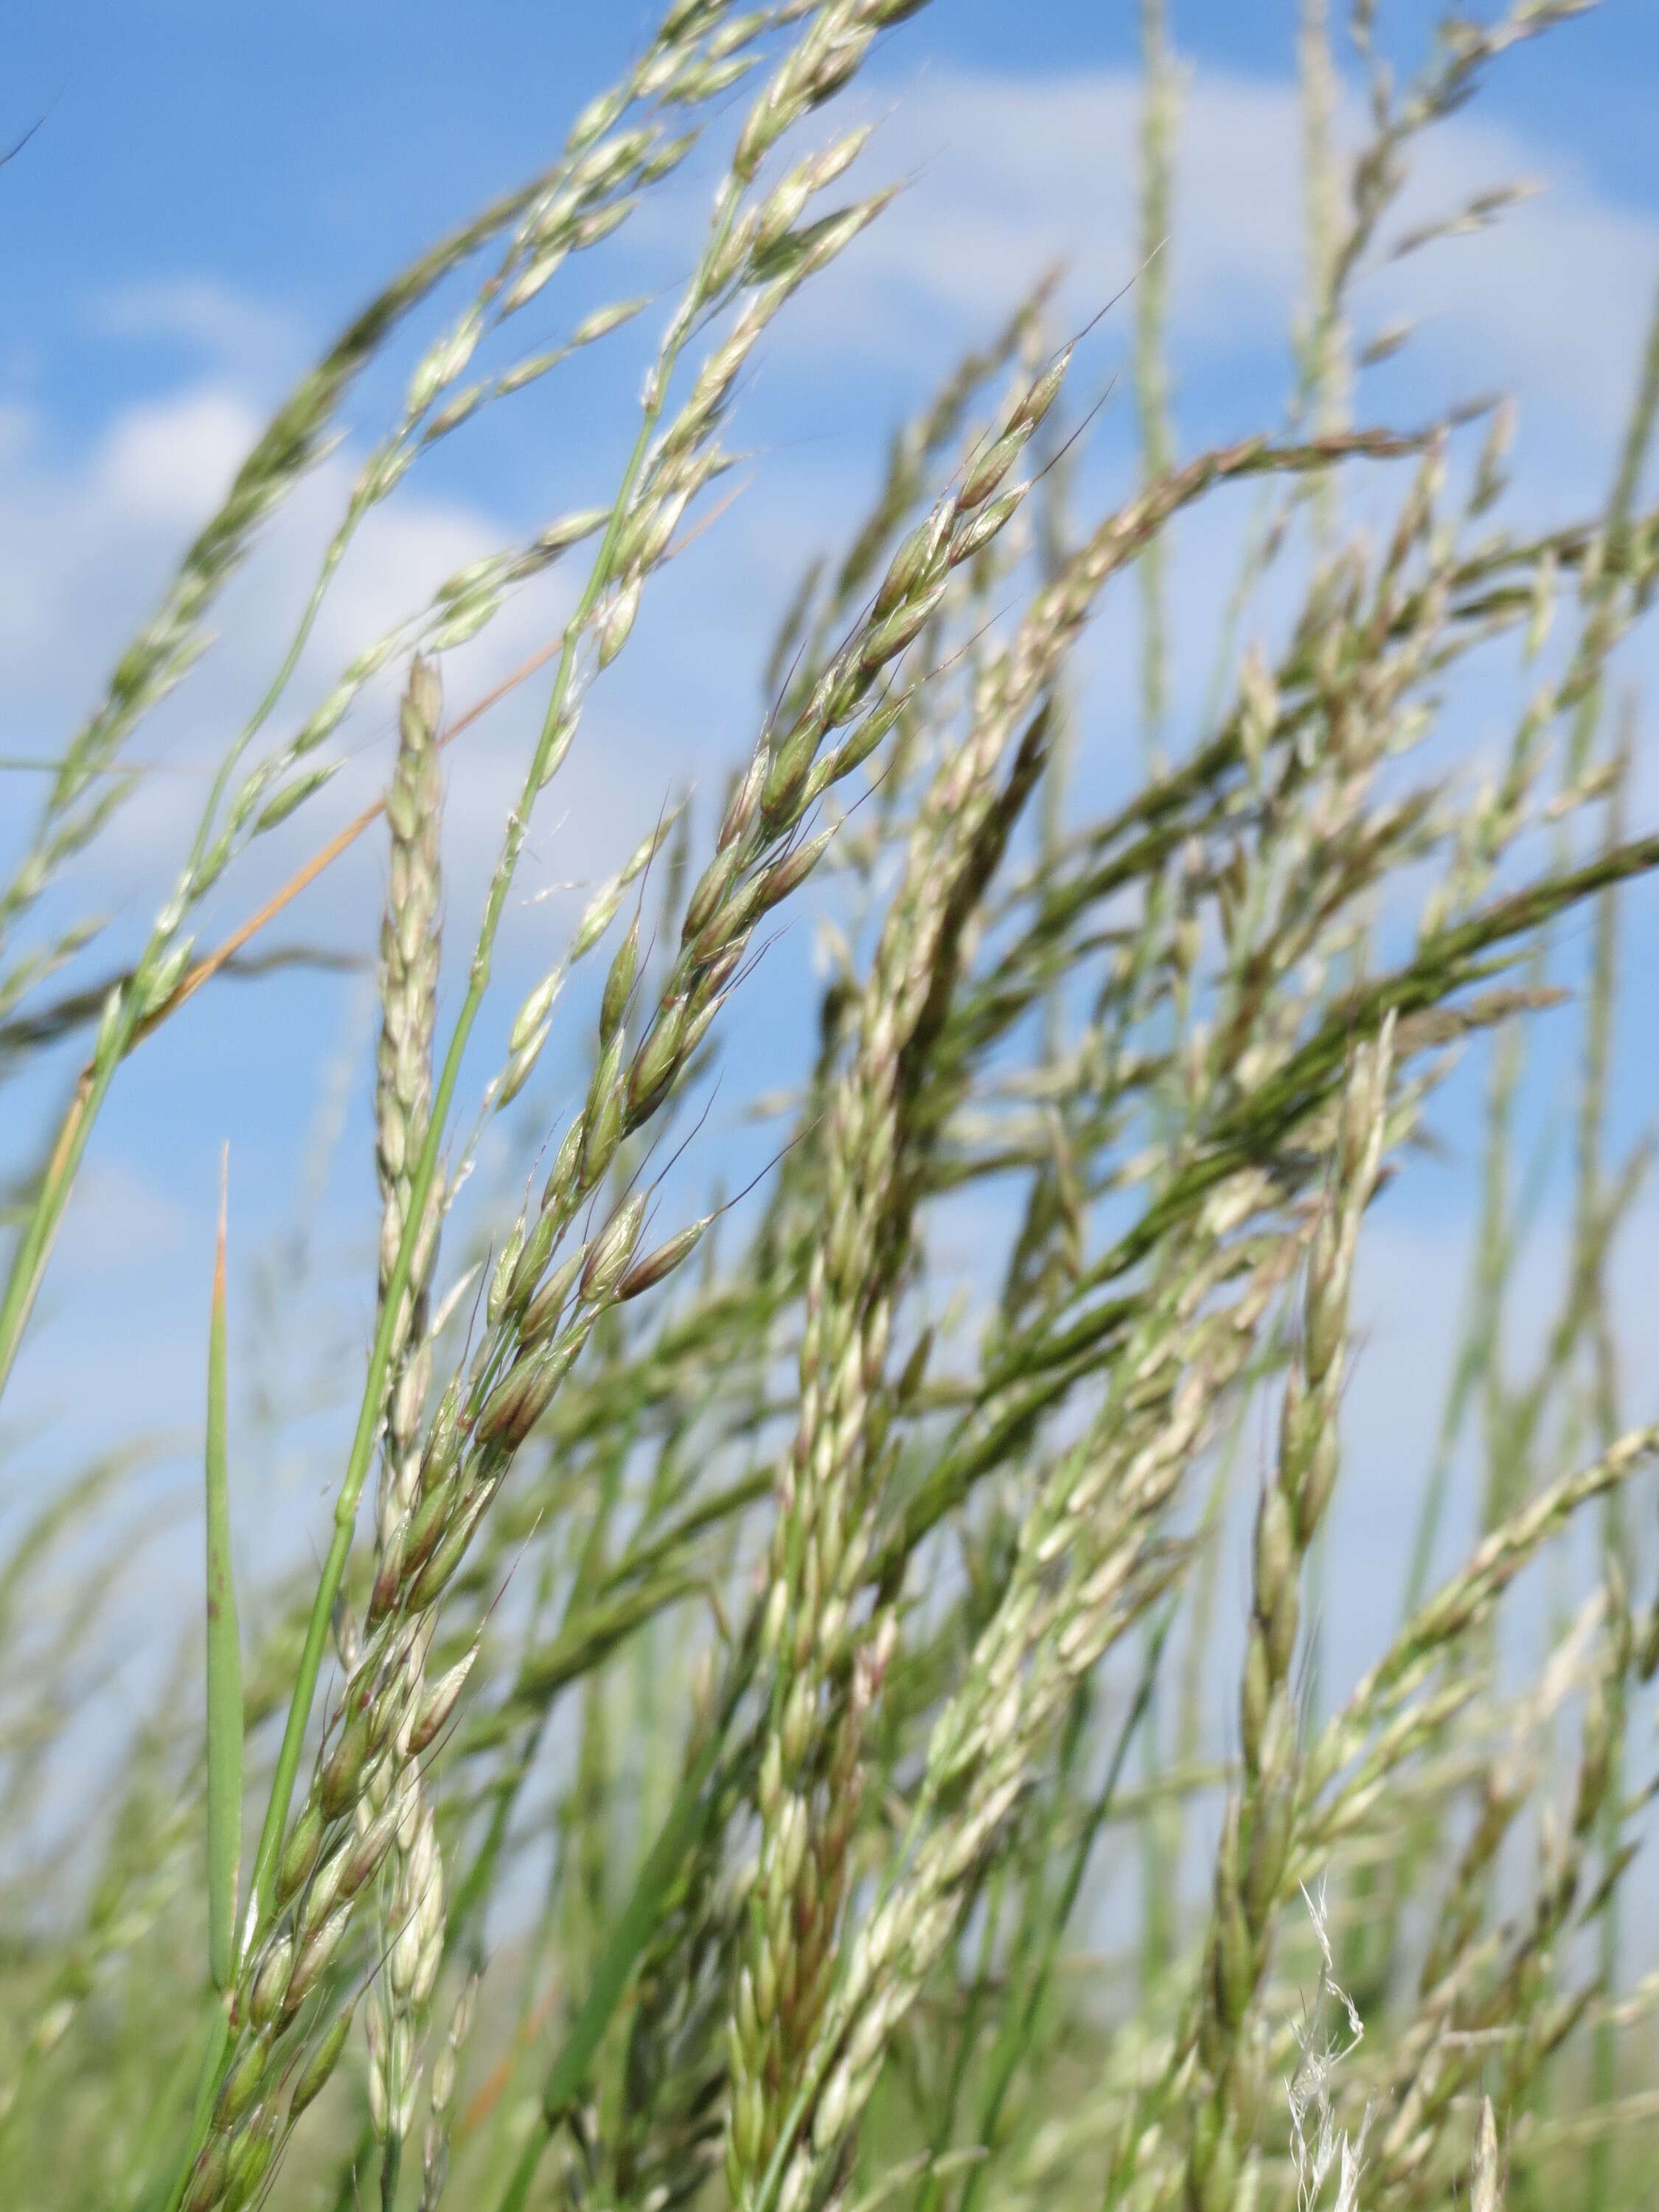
(1485, 2193)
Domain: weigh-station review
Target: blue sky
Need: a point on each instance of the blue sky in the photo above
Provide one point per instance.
(212, 190)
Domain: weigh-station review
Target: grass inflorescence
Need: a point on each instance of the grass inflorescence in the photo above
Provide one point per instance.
(804, 1636)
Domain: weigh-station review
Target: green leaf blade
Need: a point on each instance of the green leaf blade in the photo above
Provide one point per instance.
(224, 1657)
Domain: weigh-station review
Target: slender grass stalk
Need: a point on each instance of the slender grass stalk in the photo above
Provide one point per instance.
(1592, 1205)
(628, 1939)
(1017, 2028)
(1160, 115)
(1325, 372)
(224, 1648)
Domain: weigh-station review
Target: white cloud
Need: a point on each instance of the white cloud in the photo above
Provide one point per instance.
(161, 465)
(1007, 171)
(86, 547)
(197, 311)
(82, 542)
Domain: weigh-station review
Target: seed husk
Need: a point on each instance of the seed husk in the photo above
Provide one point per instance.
(301, 1853)
(611, 1247)
(239, 2091)
(342, 1769)
(313, 2074)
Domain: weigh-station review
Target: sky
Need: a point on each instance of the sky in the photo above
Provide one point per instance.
(208, 193)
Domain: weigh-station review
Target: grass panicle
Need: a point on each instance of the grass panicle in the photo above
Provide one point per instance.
(848, 1690)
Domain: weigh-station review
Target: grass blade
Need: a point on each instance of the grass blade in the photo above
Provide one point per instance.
(224, 1657)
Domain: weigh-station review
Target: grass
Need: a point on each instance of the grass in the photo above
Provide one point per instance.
(698, 1778)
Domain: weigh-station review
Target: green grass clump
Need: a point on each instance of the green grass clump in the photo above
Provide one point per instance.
(759, 1845)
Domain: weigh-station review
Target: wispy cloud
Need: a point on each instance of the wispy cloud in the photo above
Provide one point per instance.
(1005, 171)
(208, 318)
